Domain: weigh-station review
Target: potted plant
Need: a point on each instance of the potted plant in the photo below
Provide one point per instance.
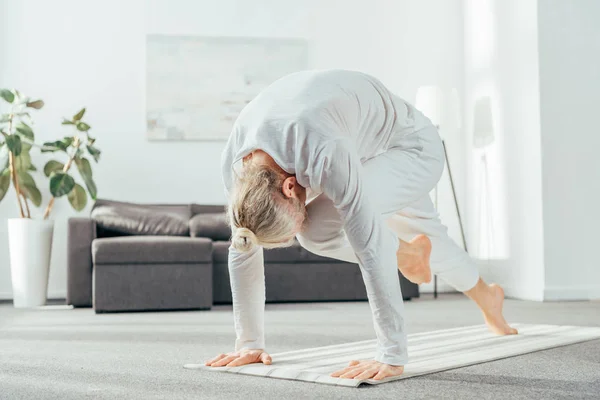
(30, 239)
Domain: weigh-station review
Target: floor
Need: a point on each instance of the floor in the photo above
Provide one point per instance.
(75, 354)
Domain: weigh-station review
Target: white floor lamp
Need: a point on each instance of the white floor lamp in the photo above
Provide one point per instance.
(431, 101)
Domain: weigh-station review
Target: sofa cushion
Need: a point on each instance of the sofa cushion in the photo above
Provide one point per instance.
(151, 250)
(141, 219)
(185, 210)
(294, 254)
(213, 226)
(207, 209)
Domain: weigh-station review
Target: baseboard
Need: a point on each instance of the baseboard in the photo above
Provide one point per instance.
(573, 293)
(442, 287)
(53, 295)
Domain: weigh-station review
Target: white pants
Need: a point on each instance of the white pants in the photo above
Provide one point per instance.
(399, 181)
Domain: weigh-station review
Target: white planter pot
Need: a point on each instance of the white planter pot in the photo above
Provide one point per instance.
(30, 247)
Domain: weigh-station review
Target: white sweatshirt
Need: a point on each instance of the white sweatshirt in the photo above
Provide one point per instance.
(321, 126)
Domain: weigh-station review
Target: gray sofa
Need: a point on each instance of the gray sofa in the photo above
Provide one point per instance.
(133, 257)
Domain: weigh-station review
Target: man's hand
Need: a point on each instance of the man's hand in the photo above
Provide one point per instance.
(242, 357)
(370, 369)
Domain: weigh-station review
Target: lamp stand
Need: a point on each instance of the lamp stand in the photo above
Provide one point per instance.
(462, 231)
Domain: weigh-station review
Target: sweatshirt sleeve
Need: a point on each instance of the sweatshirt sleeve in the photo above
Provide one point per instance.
(247, 279)
(339, 173)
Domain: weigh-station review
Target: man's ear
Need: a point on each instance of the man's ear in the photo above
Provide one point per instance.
(288, 186)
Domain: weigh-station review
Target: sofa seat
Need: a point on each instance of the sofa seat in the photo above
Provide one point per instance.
(147, 273)
(151, 250)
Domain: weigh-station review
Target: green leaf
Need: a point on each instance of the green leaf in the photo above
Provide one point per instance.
(85, 169)
(61, 184)
(7, 95)
(52, 166)
(32, 168)
(67, 122)
(84, 166)
(78, 197)
(32, 193)
(68, 141)
(4, 183)
(25, 178)
(91, 141)
(54, 146)
(83, 127)
(25, 146)
(14, 144)
(29, 188)
(4, 118)
(25, 130)
(94, 152)
(23, 161)
(37, 104)
(79, 115)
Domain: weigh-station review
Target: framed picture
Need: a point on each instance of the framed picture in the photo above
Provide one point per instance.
(197, 86)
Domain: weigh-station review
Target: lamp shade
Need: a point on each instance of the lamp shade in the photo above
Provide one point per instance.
(483, 123)
(430, 102)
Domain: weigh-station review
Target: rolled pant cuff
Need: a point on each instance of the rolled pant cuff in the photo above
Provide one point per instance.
(462, 278)
(391, 360)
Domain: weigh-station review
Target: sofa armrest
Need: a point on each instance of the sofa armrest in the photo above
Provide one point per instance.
(81, 233)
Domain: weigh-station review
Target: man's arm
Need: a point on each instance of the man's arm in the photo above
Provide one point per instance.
(374, 244)
(247, 278)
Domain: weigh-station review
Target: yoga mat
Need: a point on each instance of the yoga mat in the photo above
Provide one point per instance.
(428, 353)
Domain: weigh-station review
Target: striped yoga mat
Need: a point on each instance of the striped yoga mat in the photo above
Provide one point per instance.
(429, 352)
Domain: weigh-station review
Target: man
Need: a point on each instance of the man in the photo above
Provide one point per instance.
(336, 160)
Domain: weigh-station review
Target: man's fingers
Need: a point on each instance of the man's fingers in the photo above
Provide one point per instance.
(380, 375)
(368, 370)
(225, 360)
(215, 359)
(354, 372)
(242, 360)
(342, 371)
(351, 365)
(369, 373)
(266, 359)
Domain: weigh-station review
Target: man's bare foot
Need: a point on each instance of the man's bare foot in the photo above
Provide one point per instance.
(413, 259)
(490, 299)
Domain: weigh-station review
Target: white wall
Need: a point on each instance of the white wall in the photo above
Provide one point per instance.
(501, 61)
(73, 54)
(569, 44)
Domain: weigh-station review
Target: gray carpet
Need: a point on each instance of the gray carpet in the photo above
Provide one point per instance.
(74, 354)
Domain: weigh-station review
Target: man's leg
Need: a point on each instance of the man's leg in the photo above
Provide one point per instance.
(401, 179)
(450, 262)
